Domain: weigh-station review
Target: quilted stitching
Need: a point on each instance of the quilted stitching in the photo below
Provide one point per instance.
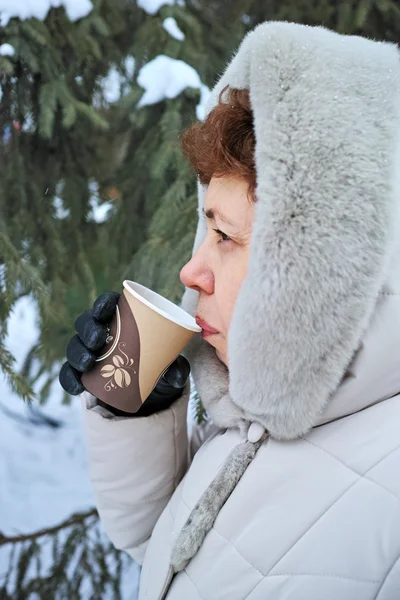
(345, 464)
(327, 575)
(193, 584)
(378, 593)
(260, 583)
(238, 552)
(360, 476)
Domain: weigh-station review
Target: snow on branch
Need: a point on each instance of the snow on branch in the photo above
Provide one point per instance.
(165, 77)
(153, 6)
(38, 9)
(6, 50)
(75, 519)
(172, 27)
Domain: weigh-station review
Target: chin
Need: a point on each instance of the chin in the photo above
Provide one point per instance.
(221, 357)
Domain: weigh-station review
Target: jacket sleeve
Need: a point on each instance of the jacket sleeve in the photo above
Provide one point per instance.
(135, 464)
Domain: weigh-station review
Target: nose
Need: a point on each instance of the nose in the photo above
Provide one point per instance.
(197, 273)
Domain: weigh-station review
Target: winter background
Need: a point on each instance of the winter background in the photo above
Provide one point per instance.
(43, 468)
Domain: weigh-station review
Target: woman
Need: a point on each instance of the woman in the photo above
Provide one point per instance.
(295, 279)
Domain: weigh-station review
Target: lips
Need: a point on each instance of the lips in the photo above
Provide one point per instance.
(206, 328)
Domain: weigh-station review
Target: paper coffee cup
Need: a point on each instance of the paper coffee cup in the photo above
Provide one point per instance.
(146, 335)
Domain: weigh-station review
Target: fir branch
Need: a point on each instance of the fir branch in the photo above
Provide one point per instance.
(18, 383)
(75, 519)
(196, 408)
(83, 562)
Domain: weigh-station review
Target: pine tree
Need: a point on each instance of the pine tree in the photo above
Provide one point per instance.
(52, 151)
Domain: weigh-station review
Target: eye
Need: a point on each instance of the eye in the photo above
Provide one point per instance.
(223, 236)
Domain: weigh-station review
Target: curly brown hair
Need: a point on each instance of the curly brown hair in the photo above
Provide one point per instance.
(223, 144)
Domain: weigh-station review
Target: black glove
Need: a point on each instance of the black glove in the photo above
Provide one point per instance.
(92, 330)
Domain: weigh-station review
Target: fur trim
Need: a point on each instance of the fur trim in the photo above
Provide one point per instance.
(327, 121)
(213, 388)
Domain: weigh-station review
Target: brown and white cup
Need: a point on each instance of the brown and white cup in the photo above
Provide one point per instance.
(146, 335)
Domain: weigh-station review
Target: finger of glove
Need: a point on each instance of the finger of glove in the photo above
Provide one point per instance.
(78, 356)
(177, 374)
(70, 380)
(92, 333)
(104, 306)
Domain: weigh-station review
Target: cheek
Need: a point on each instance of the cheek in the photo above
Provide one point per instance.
(227, 290)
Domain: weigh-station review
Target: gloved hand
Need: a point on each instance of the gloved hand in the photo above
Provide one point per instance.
(92, 330)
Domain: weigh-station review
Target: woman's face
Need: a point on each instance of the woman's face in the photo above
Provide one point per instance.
(219, 266)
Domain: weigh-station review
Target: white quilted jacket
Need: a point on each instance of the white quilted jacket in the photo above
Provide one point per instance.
(295, 492)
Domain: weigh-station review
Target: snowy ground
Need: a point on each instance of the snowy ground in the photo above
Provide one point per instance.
(43, 471)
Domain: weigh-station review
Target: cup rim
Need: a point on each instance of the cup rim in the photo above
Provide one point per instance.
(140, 292)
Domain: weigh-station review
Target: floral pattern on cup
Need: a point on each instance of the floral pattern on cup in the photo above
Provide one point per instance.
(118, 372)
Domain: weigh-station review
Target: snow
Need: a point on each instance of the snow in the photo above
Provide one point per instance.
(61, 212)
(172, 27)
(6, 50)
(165, 77)
(153, 6)
(130, 64)
(111, 85)
(100, 211)
(28, 9)
(115, 84)
(43, 471)
(29, 124)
